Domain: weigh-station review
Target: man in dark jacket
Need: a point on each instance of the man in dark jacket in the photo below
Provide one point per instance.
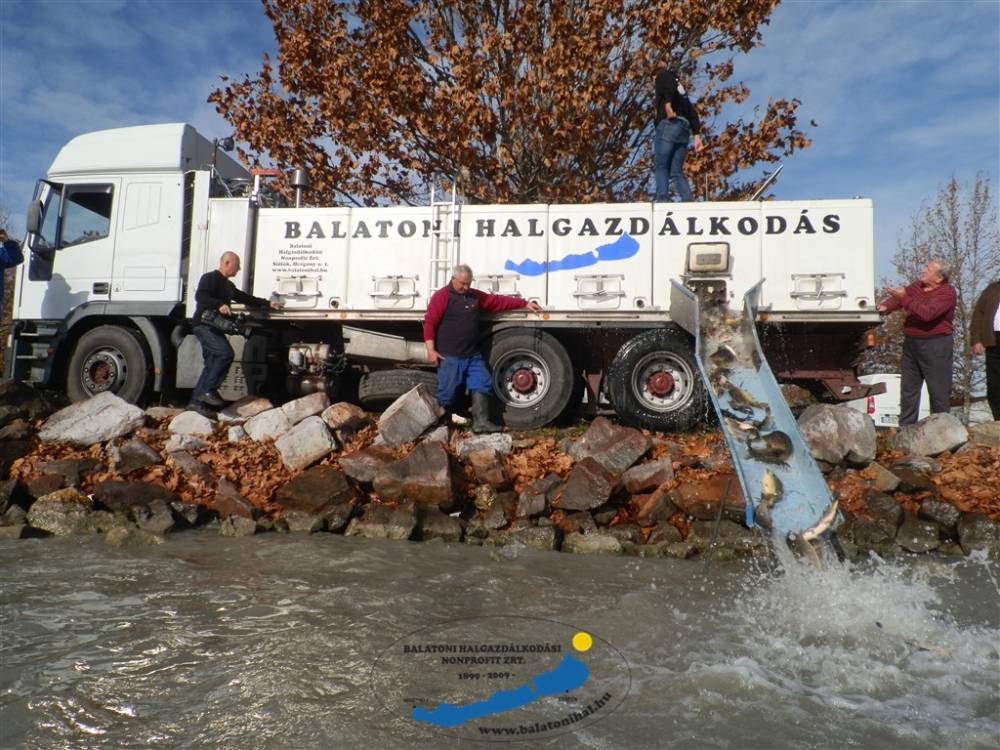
(928, 344)
(676, 120)
(451, 332)
(985, 335)
(10, 256)
(216, 292)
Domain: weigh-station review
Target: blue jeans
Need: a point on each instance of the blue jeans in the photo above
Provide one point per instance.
(455, 372)
(218, 355)
(670, 146)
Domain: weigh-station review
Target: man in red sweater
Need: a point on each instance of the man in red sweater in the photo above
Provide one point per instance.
(451, 333)
(929, 303)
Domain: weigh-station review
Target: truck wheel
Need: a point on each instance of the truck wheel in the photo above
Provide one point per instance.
(654, 383)
(108, 358)
(532, 377)
(377, 390)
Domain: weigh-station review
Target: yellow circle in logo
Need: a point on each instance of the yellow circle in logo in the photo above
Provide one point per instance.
(582, 641)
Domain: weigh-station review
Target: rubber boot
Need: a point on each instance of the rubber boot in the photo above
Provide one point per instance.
(481, 414)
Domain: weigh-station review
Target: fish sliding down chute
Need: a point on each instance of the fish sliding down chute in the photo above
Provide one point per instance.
(785, 490)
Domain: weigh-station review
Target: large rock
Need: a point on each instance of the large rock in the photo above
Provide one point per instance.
(188, 464)
(647, 477)
(237, 526)
(11, 451)
(409, 416)
(797, 397)
(616, 448)
(314, 490)
(184, 443)
(535, 498)
(977, 532)
(501, 442)
(588, 485)
(132, 455)
(654, 508)
(700, 498)
(148, 505)
(72, 470)
(268, 425)
(300, 520)
(837, 434)
(536, 537)
(344, 419)
(944, 515)
(986, 433)
(96, 420)
(913, 474)
(437, 525)
(488, 467)
(67, 512)
(337, 516)
(307, 406)
(383, 522)
(424, 477)
(306, 443)
(244, 409)
(885, 511)
(592, 544)
(191, 423)
(917, 535)
(930, 436)
(363, 465)
(230, 502)
(130, 536)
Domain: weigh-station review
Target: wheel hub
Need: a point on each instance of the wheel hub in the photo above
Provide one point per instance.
(660, 384)
(524, 380)
(103, 371)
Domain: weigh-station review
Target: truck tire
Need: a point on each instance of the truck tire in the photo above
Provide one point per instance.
(654, 382)
(532, 377)
(109, 358)
(377, 390)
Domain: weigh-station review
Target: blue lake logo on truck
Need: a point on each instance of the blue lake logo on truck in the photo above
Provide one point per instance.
(503, 678)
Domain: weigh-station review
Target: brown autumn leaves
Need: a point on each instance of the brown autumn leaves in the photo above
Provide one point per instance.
(521, 101)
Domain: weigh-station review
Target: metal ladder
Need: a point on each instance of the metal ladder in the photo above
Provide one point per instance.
(443, 240)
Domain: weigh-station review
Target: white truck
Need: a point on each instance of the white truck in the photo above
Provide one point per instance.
(127, 220)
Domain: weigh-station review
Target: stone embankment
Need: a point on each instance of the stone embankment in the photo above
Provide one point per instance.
(137, 477)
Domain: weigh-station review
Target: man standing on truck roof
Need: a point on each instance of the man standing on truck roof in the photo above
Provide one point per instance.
(675, 120)
(985, 334)
(927, 339)
(216, 292)
(451, 332)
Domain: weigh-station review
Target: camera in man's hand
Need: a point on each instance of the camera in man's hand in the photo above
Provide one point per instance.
(229, 325)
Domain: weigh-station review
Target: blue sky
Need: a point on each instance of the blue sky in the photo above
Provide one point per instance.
(906, 94)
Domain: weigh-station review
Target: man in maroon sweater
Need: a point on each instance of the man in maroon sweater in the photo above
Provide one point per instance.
(929, 303)
(451, 333)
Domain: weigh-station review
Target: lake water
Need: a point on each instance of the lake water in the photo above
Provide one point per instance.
(271, 642)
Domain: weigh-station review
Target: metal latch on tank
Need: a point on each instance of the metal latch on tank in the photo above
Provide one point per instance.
(599, 289)
(300, 289)
(498, 283)
(818, 288)
(393, 291)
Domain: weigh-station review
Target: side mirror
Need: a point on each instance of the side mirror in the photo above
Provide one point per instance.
(34, 218)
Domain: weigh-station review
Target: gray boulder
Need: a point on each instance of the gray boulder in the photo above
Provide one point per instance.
(985, 433)
(535, 498)
(592, 544)
(67, 512)
(229, 501)
(191, 466)
(363, 465)
(437, 525)
(180, 442)
(316, 489)
(930, 436)
(424, 477)
(235, 434)
(537, 537)
(133, 455)
(244, 409)
(945, 515)
(501, 442)
(647, 477)
(268, 425)
(588, 485)
(616, 448)
(977, 532)
(383, 522)
(300, 520)
(917, 535)
(337, 516)
(237, 526)
(306, 443)
(488, 467)
(307, 406)
(654, 508)
(345, 419)
(409, 416)
(96, 420)
(837, 434)
(72, 470)
(191, 423)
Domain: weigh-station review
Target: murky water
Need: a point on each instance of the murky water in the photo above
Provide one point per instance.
(269, 642)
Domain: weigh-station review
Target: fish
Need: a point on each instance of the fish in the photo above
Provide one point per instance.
(803, 549)
(724, 355)
(823, 524)
(771, 492)
(775, 447)
(742, 399)
(737, 424)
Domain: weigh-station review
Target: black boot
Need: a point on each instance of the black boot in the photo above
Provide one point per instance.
(481, 414)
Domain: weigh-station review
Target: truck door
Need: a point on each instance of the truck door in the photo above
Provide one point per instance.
(74, 251)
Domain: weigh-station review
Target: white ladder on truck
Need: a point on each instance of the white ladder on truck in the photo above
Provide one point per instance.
(443, 240)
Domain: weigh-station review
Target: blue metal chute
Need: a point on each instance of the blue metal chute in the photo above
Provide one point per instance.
(753, 415)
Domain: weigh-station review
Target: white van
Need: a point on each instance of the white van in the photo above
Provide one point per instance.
(884, 408)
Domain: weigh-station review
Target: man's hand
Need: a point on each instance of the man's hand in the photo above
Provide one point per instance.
(276, 304)
(896, 291)
(225, 310)
(881, 308)
(699, 146)
(534, 307)
(978, 348)
(432, 354)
